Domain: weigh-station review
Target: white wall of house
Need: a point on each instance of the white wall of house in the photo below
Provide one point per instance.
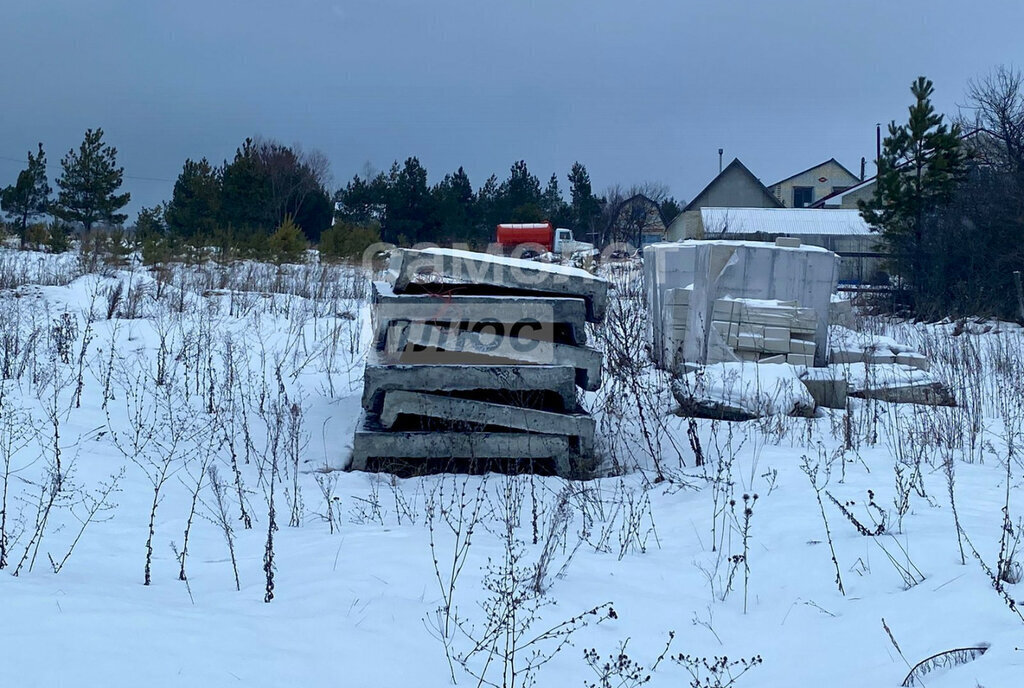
(821, 180)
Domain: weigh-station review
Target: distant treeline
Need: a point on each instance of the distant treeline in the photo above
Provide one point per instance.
(268, 186)
(270, 194)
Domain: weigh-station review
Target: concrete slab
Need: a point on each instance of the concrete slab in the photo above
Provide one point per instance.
(927, 393)
(482, 413)
(421, 342)
(372, 441)
(383, 375)
(441, 265)
(389, 307)
(828, 387)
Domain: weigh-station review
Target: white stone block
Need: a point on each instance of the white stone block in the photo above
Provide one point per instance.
(801, 346)
(914, 359)
(885, 357)
(843, 356)
(750, 342)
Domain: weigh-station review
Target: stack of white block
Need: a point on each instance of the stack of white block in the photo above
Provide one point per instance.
(675, 313)
(686, 281)
(758, 330)
(767, 331)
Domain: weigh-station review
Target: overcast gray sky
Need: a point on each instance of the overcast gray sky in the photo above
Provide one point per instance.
(640, 90)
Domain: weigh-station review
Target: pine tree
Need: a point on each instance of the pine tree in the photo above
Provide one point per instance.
(363, 200)
(29, 197)
(488, 210)
(585, 207)
(670, 209)
(918, 172)
(151, 222)
(245, 193)
(555, 209)
(195, 203)
(287, 244)
(455, 207)
(89, 182)
(59, 240)
(410, 217)
(520, 196)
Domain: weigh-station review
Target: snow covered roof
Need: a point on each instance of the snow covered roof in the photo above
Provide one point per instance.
(792, 221)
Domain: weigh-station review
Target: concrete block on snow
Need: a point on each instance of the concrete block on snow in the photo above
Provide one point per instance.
(846, 356)
(456, 307)
(787, 242)
(445, 265)
(919, 361)
(879, 357)
(829, 388)
(426, 343)
(550, 382)
(482, 413)
(371, 440)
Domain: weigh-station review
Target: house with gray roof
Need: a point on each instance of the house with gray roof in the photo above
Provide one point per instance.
(734, 187)
(802, 189)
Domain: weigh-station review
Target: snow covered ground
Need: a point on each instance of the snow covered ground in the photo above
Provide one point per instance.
(260, 369)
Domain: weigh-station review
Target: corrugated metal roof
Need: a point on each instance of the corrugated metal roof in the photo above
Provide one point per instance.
(793, 221)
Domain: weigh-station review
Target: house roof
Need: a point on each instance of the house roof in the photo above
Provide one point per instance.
(735, 165)
(814, 167)
(790, 221)
(838, 195)
(832, 197)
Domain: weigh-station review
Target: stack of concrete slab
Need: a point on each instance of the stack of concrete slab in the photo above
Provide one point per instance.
(479, 357)
(746, 287)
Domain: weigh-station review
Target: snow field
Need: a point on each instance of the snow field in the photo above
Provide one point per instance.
(358, 606)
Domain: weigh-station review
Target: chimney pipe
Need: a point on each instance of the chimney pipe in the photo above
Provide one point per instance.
(863, 162)
(720, 161)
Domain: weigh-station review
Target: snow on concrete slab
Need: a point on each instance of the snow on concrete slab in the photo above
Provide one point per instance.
(409, 266)
(746, 387)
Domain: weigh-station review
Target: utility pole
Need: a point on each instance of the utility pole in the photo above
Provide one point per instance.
(878, 147)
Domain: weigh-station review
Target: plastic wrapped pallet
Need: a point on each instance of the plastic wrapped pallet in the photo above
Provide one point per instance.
(720, 272)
